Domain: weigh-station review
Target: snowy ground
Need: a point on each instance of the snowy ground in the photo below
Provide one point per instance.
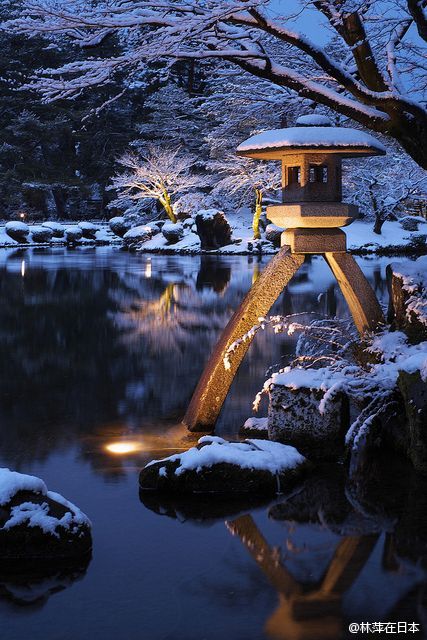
(360, 239)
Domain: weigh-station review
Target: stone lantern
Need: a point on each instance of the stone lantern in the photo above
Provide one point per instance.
(311, 154)
(311, 215)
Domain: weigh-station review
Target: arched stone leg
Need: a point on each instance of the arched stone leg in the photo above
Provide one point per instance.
(357, 291)
(215, 381)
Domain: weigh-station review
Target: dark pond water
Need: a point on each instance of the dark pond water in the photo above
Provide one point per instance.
(98, 346)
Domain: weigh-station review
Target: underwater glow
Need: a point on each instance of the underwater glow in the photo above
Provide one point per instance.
(124, 447)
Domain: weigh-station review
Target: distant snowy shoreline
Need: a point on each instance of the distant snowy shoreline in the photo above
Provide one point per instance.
(394, 240)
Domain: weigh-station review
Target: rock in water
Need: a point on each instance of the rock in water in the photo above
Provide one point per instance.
(301, 414)
(39, 233)
(216, 466)
(17, 231)
(213, 229)
(173, 232)
(136, 236)
(37, 525)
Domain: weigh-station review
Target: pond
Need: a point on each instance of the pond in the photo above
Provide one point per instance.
(99, 347)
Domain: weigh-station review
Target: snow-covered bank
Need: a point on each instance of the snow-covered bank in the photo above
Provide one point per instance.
(394, 239)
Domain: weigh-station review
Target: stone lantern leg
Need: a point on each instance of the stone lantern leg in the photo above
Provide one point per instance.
(311, 214)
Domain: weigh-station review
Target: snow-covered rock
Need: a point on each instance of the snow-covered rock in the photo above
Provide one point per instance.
(73, 234)
(213, 229)
(17, 230)
(412, 223)
(37, 524)
(173, 232)
(57, 228)
(254, 428)
(304, 411)
(218, 466)
(39, 233)
(119, 225)
(407, 284)
(88, 229)
(137, 236)
(273, 234)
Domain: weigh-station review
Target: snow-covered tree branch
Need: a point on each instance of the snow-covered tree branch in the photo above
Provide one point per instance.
(364, 76)
(159, 174)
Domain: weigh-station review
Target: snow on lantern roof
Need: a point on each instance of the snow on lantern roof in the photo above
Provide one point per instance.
(313, 120)
(278, 142)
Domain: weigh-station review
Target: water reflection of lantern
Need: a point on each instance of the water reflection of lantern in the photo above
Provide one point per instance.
(311, 214)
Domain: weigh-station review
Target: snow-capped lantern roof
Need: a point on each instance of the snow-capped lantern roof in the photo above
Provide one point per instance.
(310, 136)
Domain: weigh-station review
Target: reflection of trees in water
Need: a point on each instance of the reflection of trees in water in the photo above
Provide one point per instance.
(90, 340)
(81, 348)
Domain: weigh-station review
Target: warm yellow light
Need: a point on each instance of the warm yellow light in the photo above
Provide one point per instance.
(148, 269)
(123, 448)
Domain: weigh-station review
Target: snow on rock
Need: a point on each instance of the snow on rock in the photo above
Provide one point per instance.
(39, 233)
(408, 301)
(89, 230)
(218, 466)
(17, 230)
(309, 409)
(213, 229)
(173, 232)
(58, 229)
(137, 235)
(310, 137)
(73, 233)
(313, 120)
(119, 225)
(254, 427)
(38, 524)
(11, 482)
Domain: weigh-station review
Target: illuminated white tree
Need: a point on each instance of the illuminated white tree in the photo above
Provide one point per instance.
(159, 173)
(250, 180)
(381, 186)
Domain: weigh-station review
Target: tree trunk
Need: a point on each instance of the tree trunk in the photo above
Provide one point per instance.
(166, 203)
(257, 214)
(378, 224)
